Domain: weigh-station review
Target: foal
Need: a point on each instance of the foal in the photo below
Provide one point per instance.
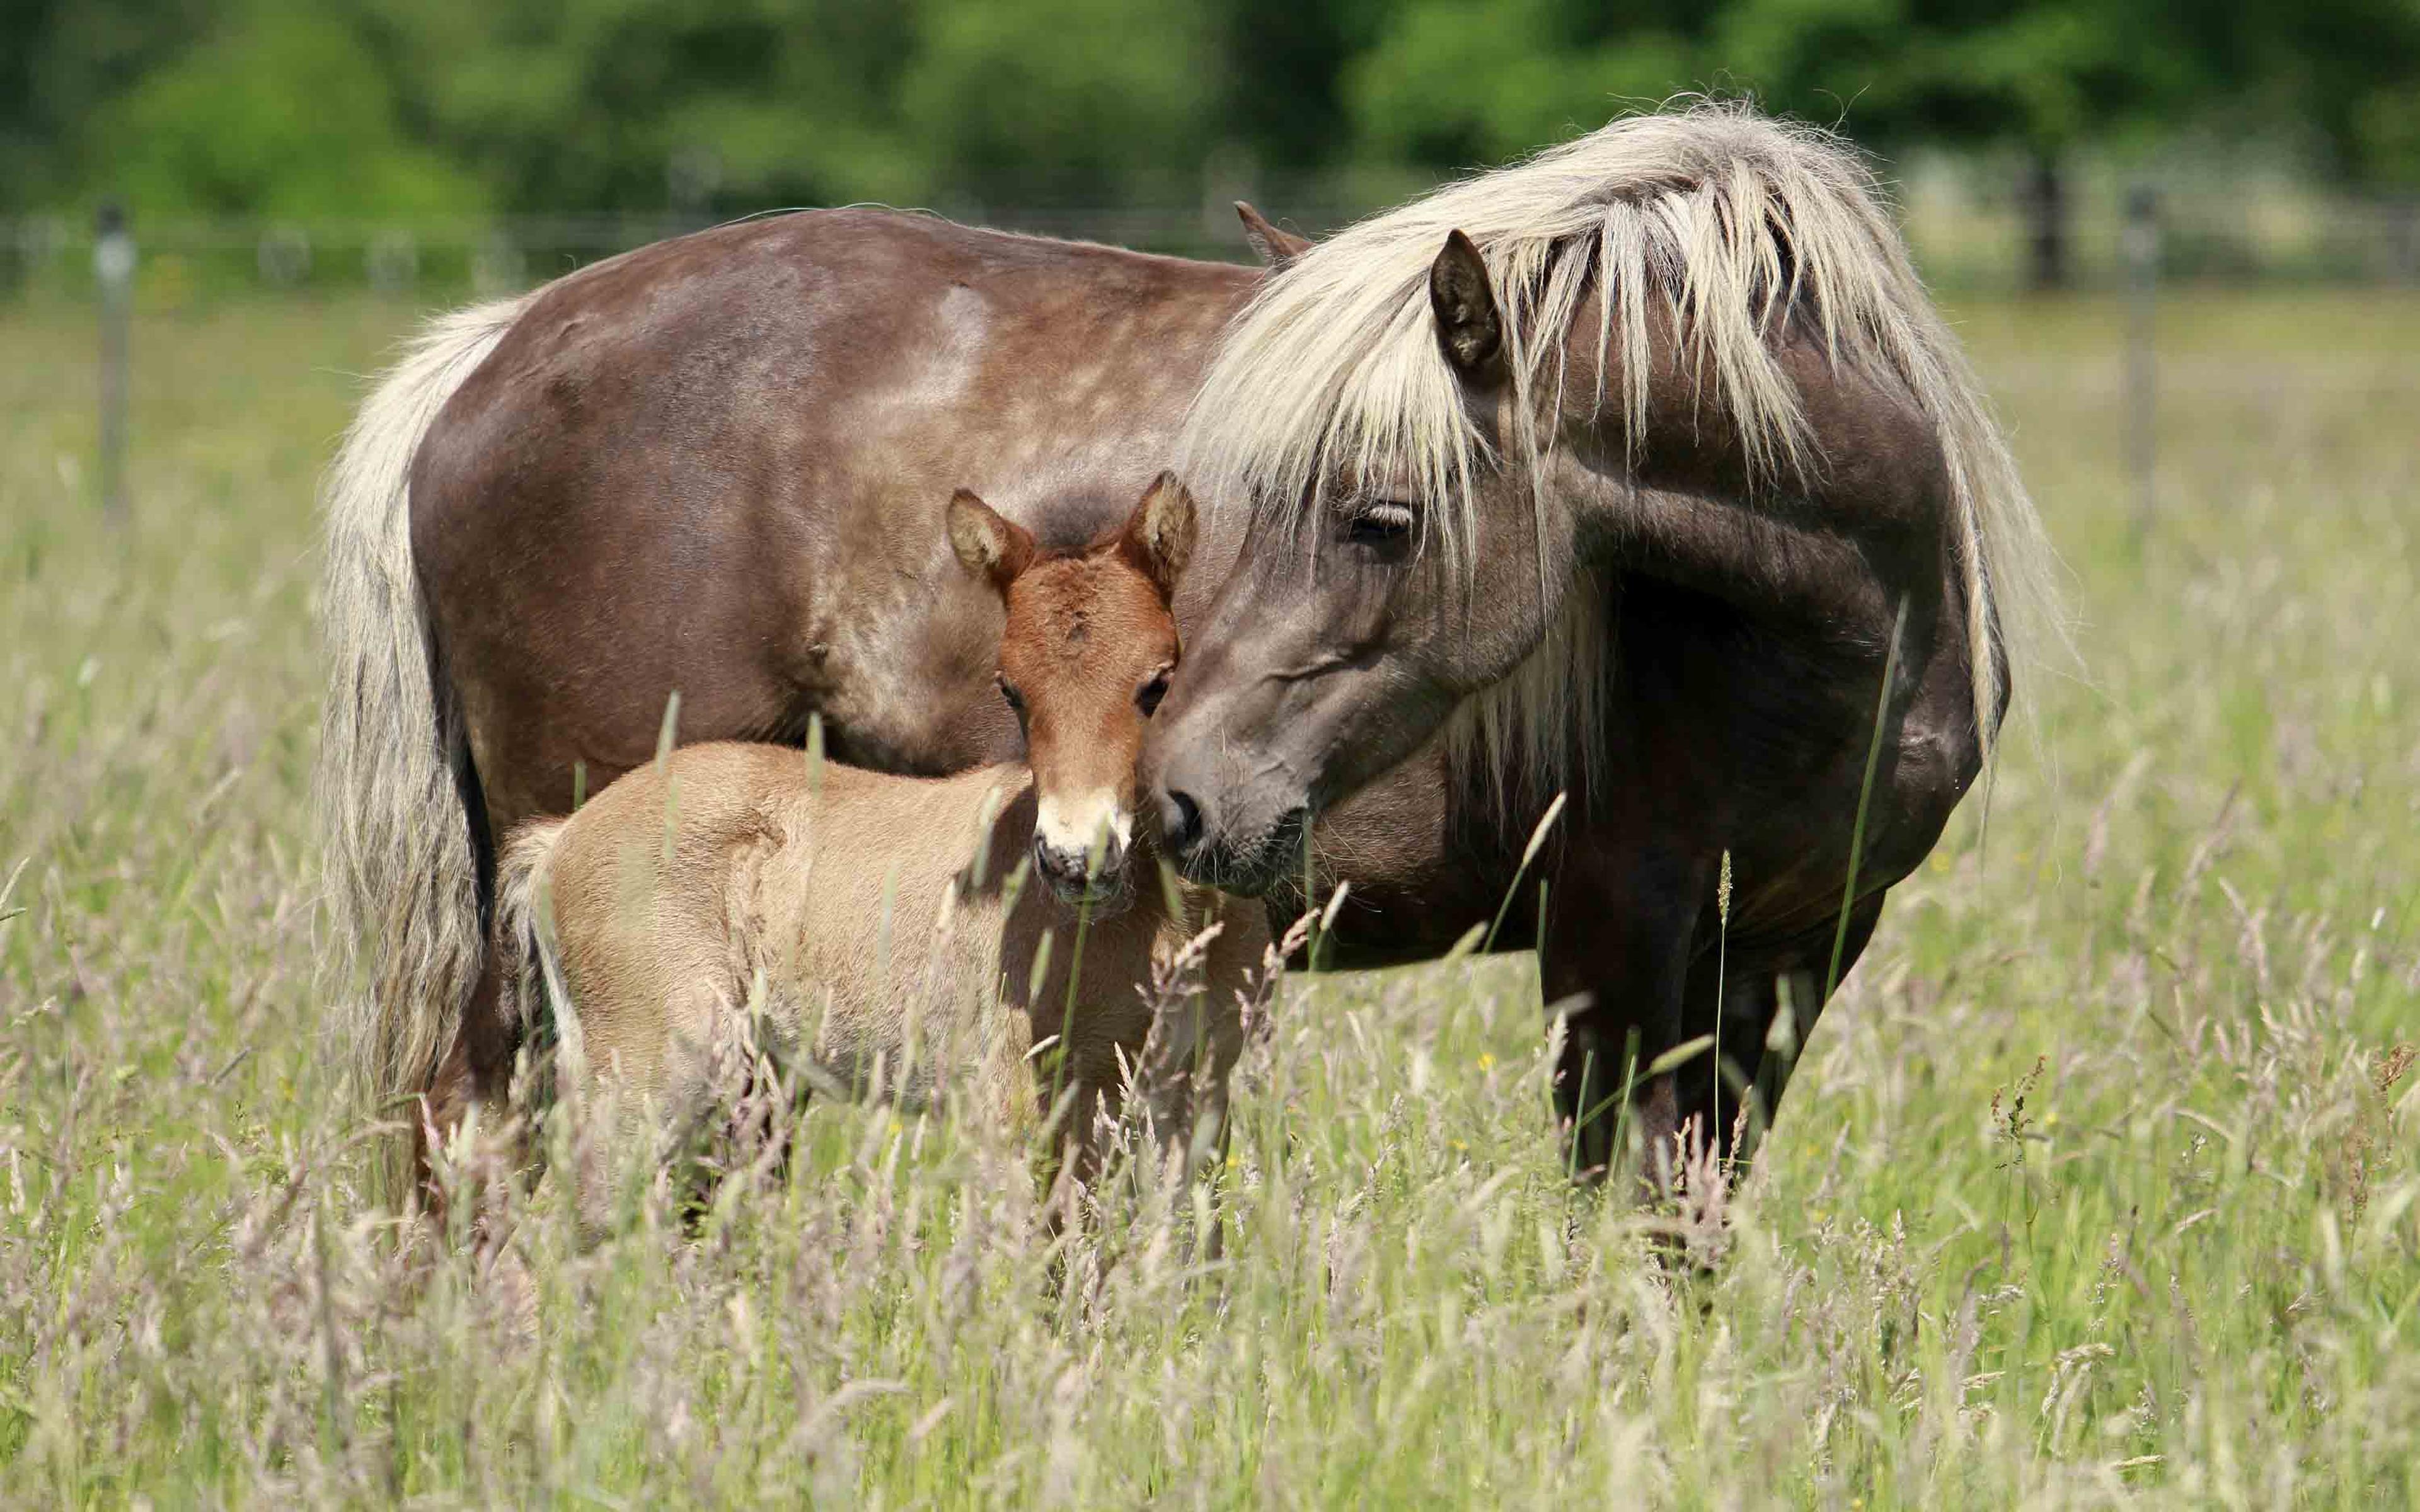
(882, 926)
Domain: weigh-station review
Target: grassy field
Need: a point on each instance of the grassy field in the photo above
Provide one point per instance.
(2101, 1185)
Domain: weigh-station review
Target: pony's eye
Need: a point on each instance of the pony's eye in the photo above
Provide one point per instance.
(1008, 691)
(1147, 697)
(1380, 522)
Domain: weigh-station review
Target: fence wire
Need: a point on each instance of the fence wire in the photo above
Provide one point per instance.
(1959, 243)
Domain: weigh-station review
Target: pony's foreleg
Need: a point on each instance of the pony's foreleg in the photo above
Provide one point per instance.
(1761, 1047)
(1616, 962)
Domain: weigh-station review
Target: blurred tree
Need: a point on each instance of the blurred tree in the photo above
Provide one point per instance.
(587, 105)
(1454, 82)
(2346, 71)
(1060, 101)
(2042, 77)
(275, 113)
(61, 62)
(414, 106)
(578, 103)
(1285, 81)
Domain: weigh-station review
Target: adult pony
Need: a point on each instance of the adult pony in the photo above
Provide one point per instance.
(1624, 487)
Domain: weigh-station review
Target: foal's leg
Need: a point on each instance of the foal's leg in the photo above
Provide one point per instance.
(1194, 1047)
(1200, 1041)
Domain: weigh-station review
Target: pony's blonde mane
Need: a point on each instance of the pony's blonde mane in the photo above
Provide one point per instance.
(1725, 220)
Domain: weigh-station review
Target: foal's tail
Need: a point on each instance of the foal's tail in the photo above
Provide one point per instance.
(529, 974)
(396, 824)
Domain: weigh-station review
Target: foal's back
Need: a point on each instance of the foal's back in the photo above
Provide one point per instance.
(860, 912)
(881, 924)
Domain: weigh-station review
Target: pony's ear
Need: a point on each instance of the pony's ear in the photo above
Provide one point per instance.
(1464, 303)
(1272, 246)
(987, 545)
(1158, 537)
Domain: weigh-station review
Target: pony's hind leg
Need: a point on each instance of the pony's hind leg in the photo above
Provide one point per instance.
(474, 1076)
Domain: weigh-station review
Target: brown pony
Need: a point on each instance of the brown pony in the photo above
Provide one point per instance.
(1642, 472)
(874, 931)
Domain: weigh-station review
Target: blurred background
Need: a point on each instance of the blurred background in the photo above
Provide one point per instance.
(435, 144)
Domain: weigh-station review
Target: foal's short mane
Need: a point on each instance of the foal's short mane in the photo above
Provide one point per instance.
(1726, 218)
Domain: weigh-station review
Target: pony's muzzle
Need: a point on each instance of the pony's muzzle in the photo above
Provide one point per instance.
(1236, 858)
(1180, 823)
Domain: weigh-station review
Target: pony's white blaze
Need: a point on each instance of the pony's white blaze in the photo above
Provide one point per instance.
(1072, 824)
(1714, 214)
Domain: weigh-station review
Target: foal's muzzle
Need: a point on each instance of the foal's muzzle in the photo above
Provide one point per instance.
(1095, 877)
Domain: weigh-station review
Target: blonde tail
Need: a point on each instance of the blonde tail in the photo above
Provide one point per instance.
(395, 823)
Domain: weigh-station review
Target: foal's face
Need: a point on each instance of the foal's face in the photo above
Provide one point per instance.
(1085, 660)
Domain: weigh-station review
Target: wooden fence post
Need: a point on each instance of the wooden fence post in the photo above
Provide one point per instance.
(2142, 242)
(113, 272)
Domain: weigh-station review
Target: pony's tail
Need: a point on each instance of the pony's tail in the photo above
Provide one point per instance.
(529, 974)
(394, 765)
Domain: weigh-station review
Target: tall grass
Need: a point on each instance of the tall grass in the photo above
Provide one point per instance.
(2097, 1184)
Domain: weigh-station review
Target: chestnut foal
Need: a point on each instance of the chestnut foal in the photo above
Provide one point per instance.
(874, 931)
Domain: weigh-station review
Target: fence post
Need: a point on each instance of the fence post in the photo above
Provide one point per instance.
(283, 255)
(496, 265)
(392, 261)
(113, 272)
(2142, 242)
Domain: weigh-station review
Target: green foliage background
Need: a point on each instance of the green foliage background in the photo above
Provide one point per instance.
(415, 107)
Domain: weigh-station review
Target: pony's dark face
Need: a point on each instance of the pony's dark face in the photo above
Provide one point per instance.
(1345, 635)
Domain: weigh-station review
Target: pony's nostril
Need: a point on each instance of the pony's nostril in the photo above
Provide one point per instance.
(1180, 820)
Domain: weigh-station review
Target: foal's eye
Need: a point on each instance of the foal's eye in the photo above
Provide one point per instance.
(1147, 697)
(1380, 522)
(1008, 691)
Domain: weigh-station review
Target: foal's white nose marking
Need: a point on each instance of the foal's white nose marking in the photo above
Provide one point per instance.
(1072, 825)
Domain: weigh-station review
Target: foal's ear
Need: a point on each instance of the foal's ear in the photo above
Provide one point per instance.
(1158, 537)
(1274, 247)
(1464, 303)
(987, 545)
